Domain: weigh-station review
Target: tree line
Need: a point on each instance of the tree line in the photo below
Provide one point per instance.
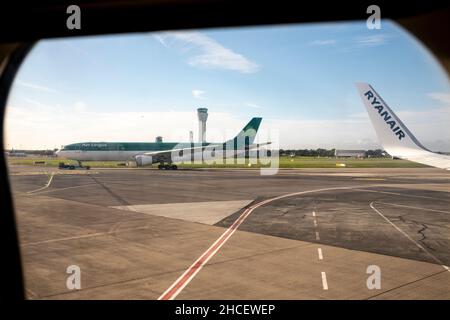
(377, 153)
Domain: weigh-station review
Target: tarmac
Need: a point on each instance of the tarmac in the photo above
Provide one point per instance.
(234, 234)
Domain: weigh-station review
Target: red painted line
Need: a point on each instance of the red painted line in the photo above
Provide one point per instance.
(197, 265)
(190, 273)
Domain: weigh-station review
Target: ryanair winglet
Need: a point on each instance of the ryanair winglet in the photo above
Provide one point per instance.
(394, 136)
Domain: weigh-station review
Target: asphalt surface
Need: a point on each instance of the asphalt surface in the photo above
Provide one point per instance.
(345, 219)
(301, 234)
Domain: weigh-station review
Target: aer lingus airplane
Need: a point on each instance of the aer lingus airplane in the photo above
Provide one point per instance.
(394, 136)
(164, 153)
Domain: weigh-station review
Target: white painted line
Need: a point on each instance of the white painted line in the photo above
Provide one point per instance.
(174, 290)
(46, 186)
(317, 235)
(319, 251)
(410, 239)
(324, 281)
(399, 194)
(411, 207)
(315, 223)
(89, 235)
(314, 213)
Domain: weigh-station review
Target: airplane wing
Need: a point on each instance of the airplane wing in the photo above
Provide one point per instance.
(166, 154)
(238, 145)
(394, 136)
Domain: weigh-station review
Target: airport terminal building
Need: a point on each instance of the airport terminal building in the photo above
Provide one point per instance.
(350, 153)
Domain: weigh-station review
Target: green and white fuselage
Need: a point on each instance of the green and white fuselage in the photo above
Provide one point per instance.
(161, 152)
(118, 151)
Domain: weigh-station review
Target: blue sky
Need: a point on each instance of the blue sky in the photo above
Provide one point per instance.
(299, 78)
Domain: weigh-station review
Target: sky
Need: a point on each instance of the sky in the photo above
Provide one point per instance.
(299, 78)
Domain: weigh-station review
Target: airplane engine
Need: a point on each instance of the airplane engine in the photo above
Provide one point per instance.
(143, 160)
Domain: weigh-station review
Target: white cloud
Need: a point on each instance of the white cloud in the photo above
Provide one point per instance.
(253, 105)
(208, 52)
(41, 126)
(323, 42)
(355, 131)
(37, 126)
(34, 86)
(313, 134)
(160, 39)
(372, 40)
(359, 115)
(198, 94)
(80, 106)
(441, 97)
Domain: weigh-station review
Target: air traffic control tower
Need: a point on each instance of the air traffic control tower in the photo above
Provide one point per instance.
(202, 114)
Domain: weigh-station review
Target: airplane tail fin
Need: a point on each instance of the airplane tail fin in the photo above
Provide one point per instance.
(247, 135)
(392, 133)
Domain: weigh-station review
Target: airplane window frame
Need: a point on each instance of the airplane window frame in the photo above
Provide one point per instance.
(12, 287)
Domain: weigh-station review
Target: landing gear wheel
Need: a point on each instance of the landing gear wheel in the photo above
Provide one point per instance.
(167, 167)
